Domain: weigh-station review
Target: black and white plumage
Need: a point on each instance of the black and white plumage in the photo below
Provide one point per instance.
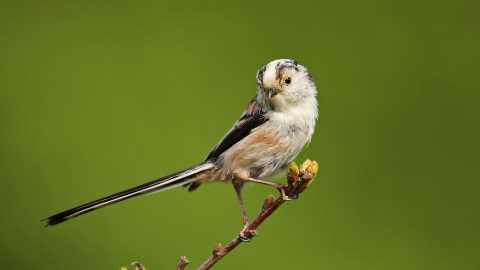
(272, 131)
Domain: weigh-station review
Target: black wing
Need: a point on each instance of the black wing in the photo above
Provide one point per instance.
(253, 117)
(250, 119)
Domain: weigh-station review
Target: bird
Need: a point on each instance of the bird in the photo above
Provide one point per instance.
(276, 125)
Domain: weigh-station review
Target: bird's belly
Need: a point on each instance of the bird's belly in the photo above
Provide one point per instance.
(264, 153)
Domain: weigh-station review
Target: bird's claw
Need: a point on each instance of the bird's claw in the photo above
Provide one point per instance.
(284, 196)
(251, 234)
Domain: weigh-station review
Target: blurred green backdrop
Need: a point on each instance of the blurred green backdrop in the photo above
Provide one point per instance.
(96, 97)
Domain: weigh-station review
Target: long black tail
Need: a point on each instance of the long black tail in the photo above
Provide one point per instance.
(167, 182)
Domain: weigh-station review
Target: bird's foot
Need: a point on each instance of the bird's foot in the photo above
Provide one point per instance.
(282, 188)
(246, 234)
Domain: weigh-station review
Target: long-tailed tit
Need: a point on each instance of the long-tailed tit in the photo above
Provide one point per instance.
(272, 131)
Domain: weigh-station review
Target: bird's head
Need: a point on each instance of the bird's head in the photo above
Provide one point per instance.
(283, 84)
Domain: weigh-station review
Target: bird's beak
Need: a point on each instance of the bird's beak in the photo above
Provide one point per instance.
(272, 92)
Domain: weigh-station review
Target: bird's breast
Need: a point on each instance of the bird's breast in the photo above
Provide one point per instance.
(267, 150)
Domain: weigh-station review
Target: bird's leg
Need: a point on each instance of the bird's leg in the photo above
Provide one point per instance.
(238, 185)
(238, 189)
(278, 186)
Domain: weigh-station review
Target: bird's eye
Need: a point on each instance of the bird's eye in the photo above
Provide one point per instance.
(287, 80)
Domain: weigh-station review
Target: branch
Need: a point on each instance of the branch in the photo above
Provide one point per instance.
(298, 181)
(183, 262)
(181, 265)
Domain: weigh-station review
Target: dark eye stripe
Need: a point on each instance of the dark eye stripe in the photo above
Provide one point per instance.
(260, 74)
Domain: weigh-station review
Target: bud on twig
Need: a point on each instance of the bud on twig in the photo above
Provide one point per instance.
(183, 262)
(292, 174)
(217, 249)
(268, 202)
(138, 266)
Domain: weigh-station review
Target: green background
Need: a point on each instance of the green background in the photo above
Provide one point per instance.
(96, 97)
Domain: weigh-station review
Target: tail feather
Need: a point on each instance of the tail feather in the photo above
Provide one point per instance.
(164, 183)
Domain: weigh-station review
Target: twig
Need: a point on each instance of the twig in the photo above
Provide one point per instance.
(298, 181)
(183, 262)
(138, 266)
